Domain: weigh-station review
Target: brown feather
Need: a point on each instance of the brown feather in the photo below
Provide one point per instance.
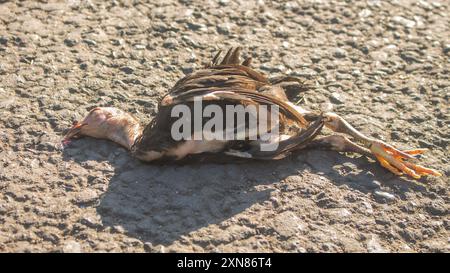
(247, 62)
(225, 83)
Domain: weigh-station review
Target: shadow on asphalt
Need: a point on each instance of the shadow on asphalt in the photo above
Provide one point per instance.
(162, 203)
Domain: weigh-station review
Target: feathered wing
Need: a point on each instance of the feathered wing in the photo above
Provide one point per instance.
(227, 82)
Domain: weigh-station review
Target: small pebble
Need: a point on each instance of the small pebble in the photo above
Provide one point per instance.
(384, 197)
(72, 247)
(224, 29)
(339, 53)
(374, 246)
(127, 69)
(336, 98)
(446, 48)
(90, 42)
(170, 43)
(70, 42)
(403, 21)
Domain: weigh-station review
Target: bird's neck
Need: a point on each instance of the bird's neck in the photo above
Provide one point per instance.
(124, 131)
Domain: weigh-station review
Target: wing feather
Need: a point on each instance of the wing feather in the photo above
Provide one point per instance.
(227, 82)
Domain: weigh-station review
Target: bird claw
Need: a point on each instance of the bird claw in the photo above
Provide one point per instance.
(399, 162)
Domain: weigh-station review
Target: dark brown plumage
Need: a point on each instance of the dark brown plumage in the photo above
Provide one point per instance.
(233, 84)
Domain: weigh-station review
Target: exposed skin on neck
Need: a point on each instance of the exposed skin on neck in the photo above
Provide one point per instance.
(124, 132)
(107, 123)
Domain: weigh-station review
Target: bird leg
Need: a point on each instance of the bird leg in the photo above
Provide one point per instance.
(339, 143)
(397, 161)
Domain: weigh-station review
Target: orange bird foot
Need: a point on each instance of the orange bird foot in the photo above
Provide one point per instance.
(399, 162)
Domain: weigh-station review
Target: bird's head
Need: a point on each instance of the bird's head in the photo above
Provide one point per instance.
(106, 123)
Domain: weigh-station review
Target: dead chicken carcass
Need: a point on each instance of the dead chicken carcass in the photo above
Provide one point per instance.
(228, 82)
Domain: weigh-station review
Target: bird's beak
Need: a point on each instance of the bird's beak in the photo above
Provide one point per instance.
(73, 132)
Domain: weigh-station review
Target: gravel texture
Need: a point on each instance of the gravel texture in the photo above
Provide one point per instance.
(383, 65)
